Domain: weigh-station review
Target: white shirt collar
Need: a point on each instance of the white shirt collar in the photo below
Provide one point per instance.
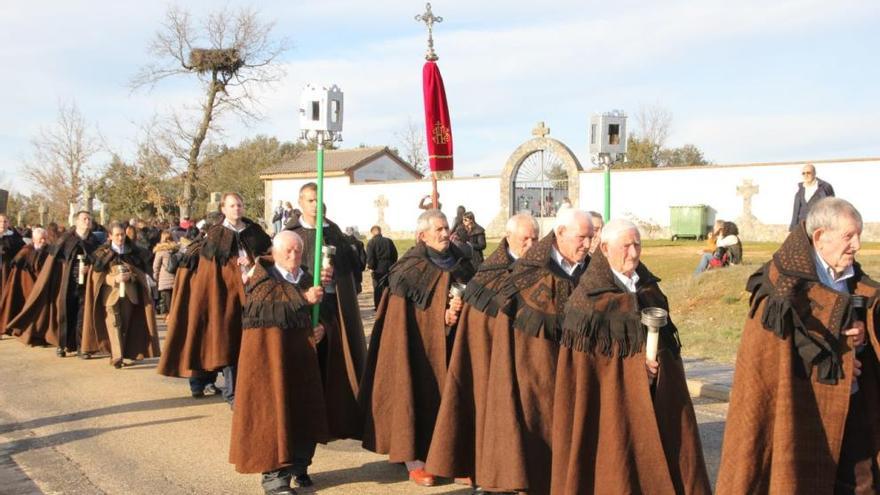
(512, 255)
(117, 249)
(567, 267)
(827, 274)
(8, 232)
(290, 277)
(228, 225)
(628, 282)
(302, 221)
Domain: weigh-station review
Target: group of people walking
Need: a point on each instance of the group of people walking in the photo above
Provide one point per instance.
(534, 370)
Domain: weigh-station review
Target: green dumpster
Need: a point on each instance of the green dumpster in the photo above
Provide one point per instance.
(689, 221)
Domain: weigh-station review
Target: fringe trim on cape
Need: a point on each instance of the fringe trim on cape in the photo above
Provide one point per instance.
(274, 303)
(414, 276)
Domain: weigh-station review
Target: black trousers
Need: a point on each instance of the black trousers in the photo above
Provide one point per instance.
(302, 459)
(857, 472)
(69, 338)
(164, 301)
(379, 284)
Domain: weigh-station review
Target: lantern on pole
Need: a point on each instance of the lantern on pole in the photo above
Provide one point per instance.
(607, 146)
(320, 121)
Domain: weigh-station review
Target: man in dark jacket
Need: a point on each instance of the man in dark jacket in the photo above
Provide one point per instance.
(381, 254)
(358, 247)
(810, 191)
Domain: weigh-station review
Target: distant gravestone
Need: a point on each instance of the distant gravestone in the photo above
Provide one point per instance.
(214, 203)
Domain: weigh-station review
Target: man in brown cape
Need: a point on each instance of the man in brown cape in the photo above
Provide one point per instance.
(342, 354)
(208, 335)
(804, 413)
(409, 347)
(23, 273)
(53, 312)
(119, 317)
(622, 423)
(459, 425)
(281, 414)
(10, 244)
(515, 448)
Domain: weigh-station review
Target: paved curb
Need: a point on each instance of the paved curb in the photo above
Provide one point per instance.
(708, 390)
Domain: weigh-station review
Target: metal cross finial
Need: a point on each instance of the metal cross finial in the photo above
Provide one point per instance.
(429, 19)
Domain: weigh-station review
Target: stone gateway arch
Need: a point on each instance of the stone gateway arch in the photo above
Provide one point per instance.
(539, 175)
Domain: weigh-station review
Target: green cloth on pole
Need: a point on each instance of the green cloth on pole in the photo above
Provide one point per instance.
(607, 193)
(319, 229)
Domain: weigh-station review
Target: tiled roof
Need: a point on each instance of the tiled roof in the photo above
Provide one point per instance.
(334, 161)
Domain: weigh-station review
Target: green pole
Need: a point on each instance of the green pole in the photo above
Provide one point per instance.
(607, 193)
(319, 228)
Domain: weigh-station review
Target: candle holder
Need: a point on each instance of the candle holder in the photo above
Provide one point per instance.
(81, 273)
(120, 269)
(456, 290)
(654, 319)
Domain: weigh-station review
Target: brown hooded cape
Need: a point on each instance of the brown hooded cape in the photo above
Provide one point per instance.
(204, 324)
(409, 349)
(787, 424)
(280, 398)
(613, 430)
(517, 431)
(44, 314)
(343, 350)
(22, 274)
(124, 327)
(10, 245)
(458, 429)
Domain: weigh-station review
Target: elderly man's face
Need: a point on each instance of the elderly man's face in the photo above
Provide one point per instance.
(289, 256)
(4, 223)
(624, 252)
(573, 241)
(437, 235)
(838, 247)
(521, 239)
(39, 240)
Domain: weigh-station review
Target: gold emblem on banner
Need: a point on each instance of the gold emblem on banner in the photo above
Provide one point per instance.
(440, 134)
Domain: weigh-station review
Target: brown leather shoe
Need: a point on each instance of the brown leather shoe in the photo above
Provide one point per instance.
(421, 477)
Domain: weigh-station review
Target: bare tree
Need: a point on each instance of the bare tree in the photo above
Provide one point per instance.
(60, 162)
(654, 125)
(411, 140)
(233, 56)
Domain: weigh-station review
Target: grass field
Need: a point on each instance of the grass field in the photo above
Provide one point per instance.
(710, 309)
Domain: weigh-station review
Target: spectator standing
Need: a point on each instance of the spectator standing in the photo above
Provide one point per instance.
(810, 191)
(475, 237)
(381, 254)
(164, 278)
(277, 218)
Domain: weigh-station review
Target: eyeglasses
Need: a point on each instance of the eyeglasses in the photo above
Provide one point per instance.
(806, 173)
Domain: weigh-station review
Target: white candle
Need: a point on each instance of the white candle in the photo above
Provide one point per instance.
(653, 341)
(81, 276)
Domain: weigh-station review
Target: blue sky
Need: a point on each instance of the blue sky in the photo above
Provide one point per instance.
(745, 81)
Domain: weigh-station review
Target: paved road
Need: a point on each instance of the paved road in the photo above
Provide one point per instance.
(81, 427)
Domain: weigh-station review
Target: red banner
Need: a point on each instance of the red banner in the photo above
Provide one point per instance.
(437, 123)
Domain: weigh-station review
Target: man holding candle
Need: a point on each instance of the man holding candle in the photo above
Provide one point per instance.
(516, 443)
(455, 447)
(804, 412)
(119, 317)
(342, 354)
(409, 348)
(622, 422)
(53, 312)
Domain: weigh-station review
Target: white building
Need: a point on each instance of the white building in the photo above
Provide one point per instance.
(372, 186)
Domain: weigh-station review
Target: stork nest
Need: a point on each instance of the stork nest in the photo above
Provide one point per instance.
(220, 59)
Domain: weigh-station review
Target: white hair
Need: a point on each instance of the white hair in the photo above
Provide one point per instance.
(567, 217)
(285, 237)
(424, 222)
(518, 219)
(614, 228)
(827, 212)
(38, 231)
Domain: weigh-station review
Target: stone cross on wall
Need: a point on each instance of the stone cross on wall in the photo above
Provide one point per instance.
(541, 130)
(747, 190)
(381, 203)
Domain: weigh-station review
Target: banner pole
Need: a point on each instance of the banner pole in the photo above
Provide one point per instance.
(319, 227)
